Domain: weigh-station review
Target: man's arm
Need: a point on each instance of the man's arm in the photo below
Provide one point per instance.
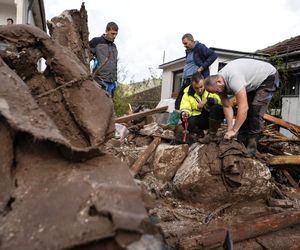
(242, 103)
(93, 44)
(185, 105)
(228, 111)
(209, 54)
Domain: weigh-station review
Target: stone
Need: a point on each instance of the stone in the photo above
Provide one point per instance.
(167, 160)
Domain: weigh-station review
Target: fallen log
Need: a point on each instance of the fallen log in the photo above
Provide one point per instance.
(134, 116)
(285, 160)
(210, 239)
(139, 163)
(293, 128)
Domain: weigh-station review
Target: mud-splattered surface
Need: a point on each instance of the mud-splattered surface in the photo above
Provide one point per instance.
(59, 190)
(65, 185)
(209, 202)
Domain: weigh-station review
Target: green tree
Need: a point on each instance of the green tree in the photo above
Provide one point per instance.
(281, 66)
(121, 100)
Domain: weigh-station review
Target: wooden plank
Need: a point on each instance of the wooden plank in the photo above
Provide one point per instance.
(295, 129)
(134, 116)
(290, 178)
(140, 162)
(279, 140)
(210, 239)
(285, 160)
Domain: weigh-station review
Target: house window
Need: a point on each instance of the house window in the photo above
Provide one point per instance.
(221, 65)
(177, 80)
(292, 88)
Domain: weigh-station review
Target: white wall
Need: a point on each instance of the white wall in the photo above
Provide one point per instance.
(166, 87)
(22, 6)
(290, 112)
(6, 11)
(31, 19)
(167, 79)
(213, 68)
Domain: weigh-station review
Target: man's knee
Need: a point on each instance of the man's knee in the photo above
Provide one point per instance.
(255, 117)
(216, 112)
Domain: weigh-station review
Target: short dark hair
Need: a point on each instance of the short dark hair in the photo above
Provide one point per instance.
(112, 26)
(10, 19)
(188, 36)
(197, 76)
(210, 81)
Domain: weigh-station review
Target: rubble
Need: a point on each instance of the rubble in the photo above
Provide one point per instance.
(74, 177)
(216, 186)
(167, 160)
(206, 176)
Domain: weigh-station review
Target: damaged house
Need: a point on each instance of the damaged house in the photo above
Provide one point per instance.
(289, 53)
(23, 12)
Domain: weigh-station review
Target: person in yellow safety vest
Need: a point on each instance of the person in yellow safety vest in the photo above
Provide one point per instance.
(204, 109)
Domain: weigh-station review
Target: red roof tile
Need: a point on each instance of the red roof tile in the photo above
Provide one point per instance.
(286, 46)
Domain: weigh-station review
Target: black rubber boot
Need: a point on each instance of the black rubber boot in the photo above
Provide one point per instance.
(242, 138)
(252, 145)
(212, 131)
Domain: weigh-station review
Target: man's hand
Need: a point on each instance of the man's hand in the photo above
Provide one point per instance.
(201, 104)
(230, 134)
(200, 70)
(211, 101)
(184, 114)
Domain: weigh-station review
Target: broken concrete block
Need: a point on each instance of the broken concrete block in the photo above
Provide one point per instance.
(167, 160)
(198, 179)
(150, 129)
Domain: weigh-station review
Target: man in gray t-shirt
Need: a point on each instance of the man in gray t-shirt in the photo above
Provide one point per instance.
(252, 82)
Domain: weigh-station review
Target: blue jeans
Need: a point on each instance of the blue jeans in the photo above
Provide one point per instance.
(110, 87)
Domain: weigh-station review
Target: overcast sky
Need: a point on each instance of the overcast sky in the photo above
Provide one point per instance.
(148, 28)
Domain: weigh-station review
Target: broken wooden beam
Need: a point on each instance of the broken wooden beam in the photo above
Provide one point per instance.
(134, 116)
(293, 128)
(279, 140)
(285, 160)
(140, 162)
(290, 178)
(210, 239)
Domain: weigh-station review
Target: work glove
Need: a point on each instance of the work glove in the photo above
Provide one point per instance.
(211, 101)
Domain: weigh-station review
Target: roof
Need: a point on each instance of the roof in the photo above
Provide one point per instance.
(286, 46)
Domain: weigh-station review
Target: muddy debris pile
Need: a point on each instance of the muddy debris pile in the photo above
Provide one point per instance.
(74, 177)
(200, 193)
(58, 188)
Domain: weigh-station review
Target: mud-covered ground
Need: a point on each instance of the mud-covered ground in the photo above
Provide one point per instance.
(181, 216)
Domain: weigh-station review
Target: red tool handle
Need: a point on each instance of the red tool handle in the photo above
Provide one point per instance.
(185, 125)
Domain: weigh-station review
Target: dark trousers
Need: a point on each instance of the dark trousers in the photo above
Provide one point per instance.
(258, 102)
(186, 82)
(200, 122)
